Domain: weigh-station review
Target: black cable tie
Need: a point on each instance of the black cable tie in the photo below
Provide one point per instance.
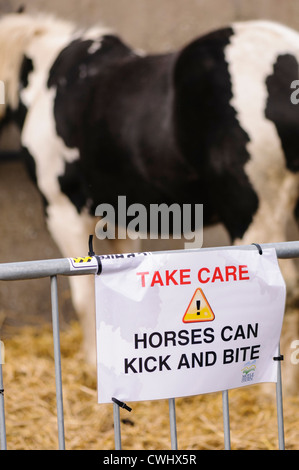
(121, 404)
(278, 358)
(258, 247)
(92, 253)
(2, 391)
(90, 245)
(98, 258)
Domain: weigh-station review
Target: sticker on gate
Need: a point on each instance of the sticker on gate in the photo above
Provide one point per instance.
(83, 262)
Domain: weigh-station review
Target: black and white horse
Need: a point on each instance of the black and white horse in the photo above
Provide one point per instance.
(212, 123)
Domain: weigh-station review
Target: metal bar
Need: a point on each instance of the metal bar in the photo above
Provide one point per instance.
(57, 358)
(279, 406)
(54, 267)
(284, 250)
(226, 424)
(2, 411)
(117, 433)
(39, 269)
(172, 422)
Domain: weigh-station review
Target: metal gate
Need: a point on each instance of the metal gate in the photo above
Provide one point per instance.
(55, 267)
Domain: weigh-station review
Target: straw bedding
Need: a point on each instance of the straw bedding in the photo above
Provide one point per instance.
(30, 406)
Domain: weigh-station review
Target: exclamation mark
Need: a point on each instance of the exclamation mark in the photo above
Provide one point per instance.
(198, 307)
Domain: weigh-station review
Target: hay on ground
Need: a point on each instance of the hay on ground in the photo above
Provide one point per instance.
(30, 406)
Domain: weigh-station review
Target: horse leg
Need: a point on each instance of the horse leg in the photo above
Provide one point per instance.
(270, 225)
(71, 231)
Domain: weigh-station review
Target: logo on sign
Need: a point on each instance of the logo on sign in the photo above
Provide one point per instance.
(248, 371)
(199, 309)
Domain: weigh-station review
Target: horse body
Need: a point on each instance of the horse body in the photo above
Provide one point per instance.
(212, 124)
(126, 135)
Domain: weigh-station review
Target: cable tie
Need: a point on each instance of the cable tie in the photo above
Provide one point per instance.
(121, 404)
(258, 247)
(90, 246)
(278, 358)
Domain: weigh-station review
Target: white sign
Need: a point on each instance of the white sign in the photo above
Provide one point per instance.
(179, 324)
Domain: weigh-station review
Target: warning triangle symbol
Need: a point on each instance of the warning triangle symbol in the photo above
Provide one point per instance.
(198, 309)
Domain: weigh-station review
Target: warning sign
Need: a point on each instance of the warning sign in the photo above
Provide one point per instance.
(198, 309)
(178, 324)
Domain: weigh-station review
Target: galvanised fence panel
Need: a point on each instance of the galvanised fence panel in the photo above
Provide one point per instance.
(55, 267)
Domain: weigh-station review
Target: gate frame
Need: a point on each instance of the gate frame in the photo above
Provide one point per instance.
(54, 267)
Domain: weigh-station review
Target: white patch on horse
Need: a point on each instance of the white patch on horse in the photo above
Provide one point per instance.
(266, 168)
(47, 148)
(96, 33)
(95, 46)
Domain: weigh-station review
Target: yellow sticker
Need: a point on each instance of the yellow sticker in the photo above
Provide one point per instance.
(87, 259)
(85, 262)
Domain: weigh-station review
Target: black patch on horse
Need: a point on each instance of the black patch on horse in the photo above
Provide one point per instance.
(73, 185)
(75, 74)
(25, 70)
(30, 165)
(19, 114)
(209, 132)
(281, 111)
